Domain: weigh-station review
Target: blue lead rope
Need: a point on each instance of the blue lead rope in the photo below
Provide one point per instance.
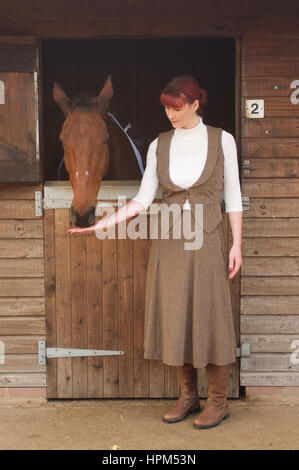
(136, 151)
(59, 168)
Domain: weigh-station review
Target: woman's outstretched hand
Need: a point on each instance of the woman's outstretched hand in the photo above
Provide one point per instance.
(78, 229)
(98, 226)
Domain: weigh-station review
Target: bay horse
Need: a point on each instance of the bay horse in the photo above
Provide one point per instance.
(94, 146)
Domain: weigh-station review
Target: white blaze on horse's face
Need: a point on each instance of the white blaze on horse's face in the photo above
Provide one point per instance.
(77, 173)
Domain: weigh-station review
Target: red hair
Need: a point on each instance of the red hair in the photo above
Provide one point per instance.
(181, 90)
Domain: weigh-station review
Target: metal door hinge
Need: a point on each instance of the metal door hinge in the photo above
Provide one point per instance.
(244, 353)
(245, 203)
(38, 203)
(44, 352)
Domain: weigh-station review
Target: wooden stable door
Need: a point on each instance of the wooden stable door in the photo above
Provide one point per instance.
(19, 111)
(95, 291)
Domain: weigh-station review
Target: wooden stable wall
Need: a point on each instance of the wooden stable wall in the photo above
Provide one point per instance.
(22, 293)
(269, 275)
(270, 270)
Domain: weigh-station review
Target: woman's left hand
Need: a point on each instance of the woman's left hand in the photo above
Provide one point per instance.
(235, 261)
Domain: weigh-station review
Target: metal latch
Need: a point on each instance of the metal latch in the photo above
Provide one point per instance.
(245, 203)
(244, 353)
(44, 353)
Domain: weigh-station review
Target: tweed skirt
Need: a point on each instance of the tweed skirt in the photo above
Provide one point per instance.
(188, 311)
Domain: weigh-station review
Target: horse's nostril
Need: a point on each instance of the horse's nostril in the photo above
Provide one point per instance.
(84, 220)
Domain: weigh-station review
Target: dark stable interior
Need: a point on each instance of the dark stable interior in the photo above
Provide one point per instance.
(140, 69)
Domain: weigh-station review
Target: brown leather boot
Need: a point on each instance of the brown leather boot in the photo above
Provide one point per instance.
(188, 401)
(216, 408)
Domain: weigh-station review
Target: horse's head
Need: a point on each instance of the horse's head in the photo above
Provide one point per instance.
(84, 136)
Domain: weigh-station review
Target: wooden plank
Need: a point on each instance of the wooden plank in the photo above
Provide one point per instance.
(17, 209)
(63, 301)
(141, 365)
(21, 268)
(269, 379)
(22, 229)
(25, 344)
(222, 24)
(6, 39)
(157, 376)
(23, 380)
(270, 127)
(270, 246)
(21, 248)
(269, 343)
(50, 301)
(267, 362)
(272, 227)
(266, 86)
(135, 10)
(94, 314)
(125, 316)
(268, 66)
(26, 306)
(78, 313)
(270, 266)
(172, 389)
(19, 191)
(269, 187)
(22, 287)
(275, 285)
(260, 324)
(271, 167)
(23, 363)
(22, 326)
(275, 47)
(270, 305)
(18, 58)
(110, 324)
(268, 148)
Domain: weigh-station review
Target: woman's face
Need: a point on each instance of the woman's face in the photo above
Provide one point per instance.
(185, 116)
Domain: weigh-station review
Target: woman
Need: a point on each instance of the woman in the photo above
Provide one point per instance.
(188, 314)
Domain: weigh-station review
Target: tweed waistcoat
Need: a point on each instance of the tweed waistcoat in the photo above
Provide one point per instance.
(208, 187)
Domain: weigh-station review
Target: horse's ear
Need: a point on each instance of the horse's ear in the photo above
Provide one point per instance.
(61, 98)
(106, 92)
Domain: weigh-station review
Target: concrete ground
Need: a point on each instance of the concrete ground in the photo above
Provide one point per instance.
(255, 423)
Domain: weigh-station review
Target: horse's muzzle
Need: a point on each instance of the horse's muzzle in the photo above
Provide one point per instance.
(85, 220)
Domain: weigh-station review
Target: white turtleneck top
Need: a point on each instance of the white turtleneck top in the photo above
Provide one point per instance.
(187, 157)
